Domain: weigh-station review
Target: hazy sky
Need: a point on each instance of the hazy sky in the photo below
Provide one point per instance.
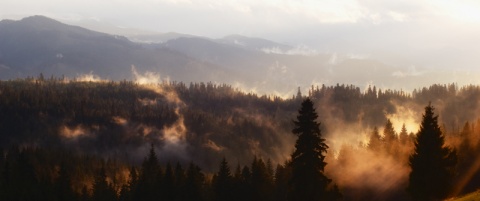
(410, 33)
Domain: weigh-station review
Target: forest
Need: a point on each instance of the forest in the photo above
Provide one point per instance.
(75, 140)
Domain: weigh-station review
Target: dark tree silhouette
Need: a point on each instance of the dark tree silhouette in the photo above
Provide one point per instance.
(64, 184)
(101, 189)
(149, 185)
(194, 183)
(389, 132)
(261, 181)
(168, 186)
(308, 181)
(282, 173)
(432, 162)
(223, 182)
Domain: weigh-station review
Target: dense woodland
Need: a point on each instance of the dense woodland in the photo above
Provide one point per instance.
(72, 140)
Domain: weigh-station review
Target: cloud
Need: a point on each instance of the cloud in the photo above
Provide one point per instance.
(299, 50)
(411, 71)
(90, 77)
(147, 78)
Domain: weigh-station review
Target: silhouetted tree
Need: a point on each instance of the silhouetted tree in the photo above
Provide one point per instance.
(403, 135)
(102, 190)
(432, 162)
(179, 180)
(168, 184)
(194, 184)
(375, 143)
(308, 181)
(261, 181)
(223, 182)
(389, 133)
(282, 174)
(64, 184)
(149, 185)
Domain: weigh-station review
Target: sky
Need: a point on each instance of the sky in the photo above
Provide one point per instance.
(439, 34)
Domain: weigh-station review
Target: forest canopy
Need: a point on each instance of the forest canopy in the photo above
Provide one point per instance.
(119, 130)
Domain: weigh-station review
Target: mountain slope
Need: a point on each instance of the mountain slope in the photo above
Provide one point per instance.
(38, 44)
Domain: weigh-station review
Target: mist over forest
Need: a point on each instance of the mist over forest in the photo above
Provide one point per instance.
(201, 123)
(86, 115)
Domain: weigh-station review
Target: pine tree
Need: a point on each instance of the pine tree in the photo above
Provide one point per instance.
(389, 133)
(194, 183)
(223, 181)
(63, 184)
(262, 183)
(282, 173)
(149, 185)
(101, 189)
(375, 143)
(168, 183)
(308, 181)
(432, 162)
(403, 135)
(179, 179)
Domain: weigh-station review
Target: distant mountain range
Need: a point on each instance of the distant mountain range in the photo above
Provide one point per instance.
(39, 44)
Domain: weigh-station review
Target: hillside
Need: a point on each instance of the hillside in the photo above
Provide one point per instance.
(38, 44)
(203, 122)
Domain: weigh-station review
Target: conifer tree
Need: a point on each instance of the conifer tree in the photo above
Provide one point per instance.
(403, 135)
(308, 181)
(281, 182)
(389, 133)
(149, 185)
(432, 163)
(262, 183)
(64, 184)
(101, 189)
(375, 143)
(168, 188)
(223, 181)
(193, 184)
(179, 179)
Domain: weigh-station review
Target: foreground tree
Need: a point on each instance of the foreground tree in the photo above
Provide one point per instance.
(308, 181)
(432, 162)
(222, 182)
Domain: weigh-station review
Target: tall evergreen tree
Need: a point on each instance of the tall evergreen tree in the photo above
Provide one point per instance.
(261, 181)
(282, 173)
(194, 183)
(149, 185)
(222, 182)
(308, 181)
(101, 189)
(168, 183)
(389, 133)
(403, 136)
(432, 162)
(375, 143)
(63, 184)
(179, 180)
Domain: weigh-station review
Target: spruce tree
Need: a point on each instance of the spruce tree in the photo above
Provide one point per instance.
(403, 136)
(308, 181)
(194, 183)
(148, 185)
(432, 163)
(101, 189)
(375, 143)
(222, 182)
(389, 133)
